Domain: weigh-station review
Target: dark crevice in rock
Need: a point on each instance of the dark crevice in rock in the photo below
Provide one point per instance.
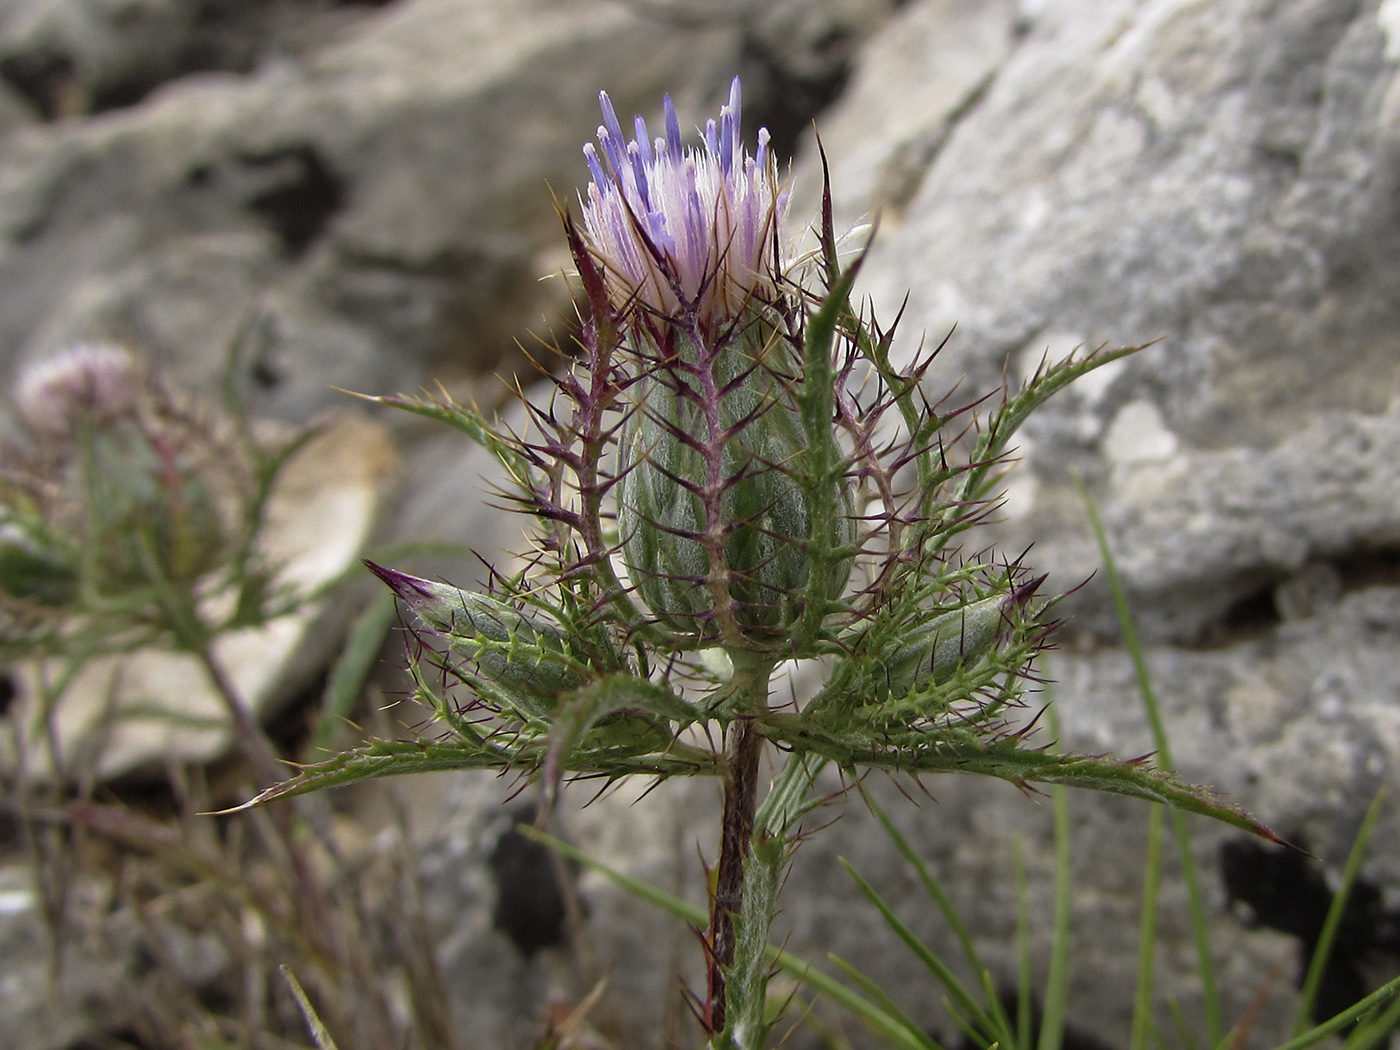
(235, 35)
(44, 78)
(1371, 568)
(1283, 889)
(199, 176)
(130, 89)
(1250, 616)
(11, 832)
(149, 50)
(529, 902)
(303, 197)
(264, 375)
(8, 692)
(457, 308)
(291, 725)
(218, 998)
(1279, 597)
(903, 173)
(121, 1039)
(1286, 164)
(785, 101)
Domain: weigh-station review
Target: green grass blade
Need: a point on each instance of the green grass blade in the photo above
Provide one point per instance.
(1318, 964)
(1183, 1033)
(879, 1022)
(313, 1023)
(353, 666)
(1205, 962)
(971, 1036)
(965, 1001)
(1056, 1009)
(885, 1003)
(932, 887)
(1200, 928)
(1003, 1033)
(1375, 1031)
(993, 1018)
(1128, 626)
(1147, 943)
(1380, 996)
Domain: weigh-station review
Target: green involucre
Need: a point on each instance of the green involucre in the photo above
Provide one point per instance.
(684, 459)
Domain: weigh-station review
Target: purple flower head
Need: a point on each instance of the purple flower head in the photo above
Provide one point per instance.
(96, 380)
(686, 232)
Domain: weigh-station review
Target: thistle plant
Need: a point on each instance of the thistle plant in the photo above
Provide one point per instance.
(130, 517)
(133, 517)
(733, 480)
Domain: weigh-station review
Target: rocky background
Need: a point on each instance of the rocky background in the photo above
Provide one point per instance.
(363, 190)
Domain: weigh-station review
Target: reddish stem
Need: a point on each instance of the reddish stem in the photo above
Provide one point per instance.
(736, 834)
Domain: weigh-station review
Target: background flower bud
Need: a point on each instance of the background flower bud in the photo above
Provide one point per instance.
(98, 381)
(148, 498)
(115, 478)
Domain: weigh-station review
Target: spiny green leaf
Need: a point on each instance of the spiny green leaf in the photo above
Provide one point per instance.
(526, 656)
(819, 463)
(388, 758)
(1011, 761)
(384, 758)
(1047, 381)
(470, 421)
(588, 706)
(1134, 779)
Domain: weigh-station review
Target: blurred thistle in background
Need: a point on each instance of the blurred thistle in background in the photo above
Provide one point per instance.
(113, 488)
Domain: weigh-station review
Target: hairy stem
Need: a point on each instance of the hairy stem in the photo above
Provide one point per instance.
(774, 835)
(742, 755)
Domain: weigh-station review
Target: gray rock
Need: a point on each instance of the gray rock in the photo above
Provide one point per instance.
(378, 205)
(71, 57)
(97, 987)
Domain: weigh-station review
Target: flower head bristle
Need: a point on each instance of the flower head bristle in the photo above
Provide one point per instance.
(686, 233)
